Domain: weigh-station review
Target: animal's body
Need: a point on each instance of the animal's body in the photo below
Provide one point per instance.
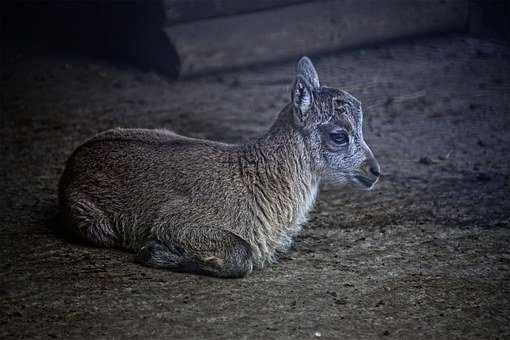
(200, 206)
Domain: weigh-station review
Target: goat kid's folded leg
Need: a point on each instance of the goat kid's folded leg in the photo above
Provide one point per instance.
(203, 250)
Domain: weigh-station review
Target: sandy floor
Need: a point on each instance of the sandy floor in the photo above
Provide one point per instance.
(425, 255)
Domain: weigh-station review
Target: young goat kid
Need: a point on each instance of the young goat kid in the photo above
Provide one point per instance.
(200, 206)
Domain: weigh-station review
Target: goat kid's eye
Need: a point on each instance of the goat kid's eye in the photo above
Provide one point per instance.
(340, 138)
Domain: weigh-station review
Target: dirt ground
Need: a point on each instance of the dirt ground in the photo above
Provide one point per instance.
(425, 255)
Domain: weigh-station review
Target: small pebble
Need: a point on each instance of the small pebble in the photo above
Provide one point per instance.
(426, 160)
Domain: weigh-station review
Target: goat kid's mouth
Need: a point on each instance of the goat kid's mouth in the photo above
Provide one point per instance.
(365, 182)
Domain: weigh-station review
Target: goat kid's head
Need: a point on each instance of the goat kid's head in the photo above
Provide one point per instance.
(331, 121)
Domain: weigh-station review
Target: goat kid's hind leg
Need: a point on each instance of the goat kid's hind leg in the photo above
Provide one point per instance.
(204, 250)
(82, 219)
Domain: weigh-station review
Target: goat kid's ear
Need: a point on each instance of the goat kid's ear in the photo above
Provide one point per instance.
(302, 91)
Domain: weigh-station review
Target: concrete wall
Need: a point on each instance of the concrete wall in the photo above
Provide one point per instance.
(182, 38)
(307, 28)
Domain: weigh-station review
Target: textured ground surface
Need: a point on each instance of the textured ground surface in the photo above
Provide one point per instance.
(425, 255)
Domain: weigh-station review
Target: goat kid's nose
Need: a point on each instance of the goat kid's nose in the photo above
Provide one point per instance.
(372, 168)
(376, 171)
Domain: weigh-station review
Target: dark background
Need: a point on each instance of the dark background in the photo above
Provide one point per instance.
(426, 254)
